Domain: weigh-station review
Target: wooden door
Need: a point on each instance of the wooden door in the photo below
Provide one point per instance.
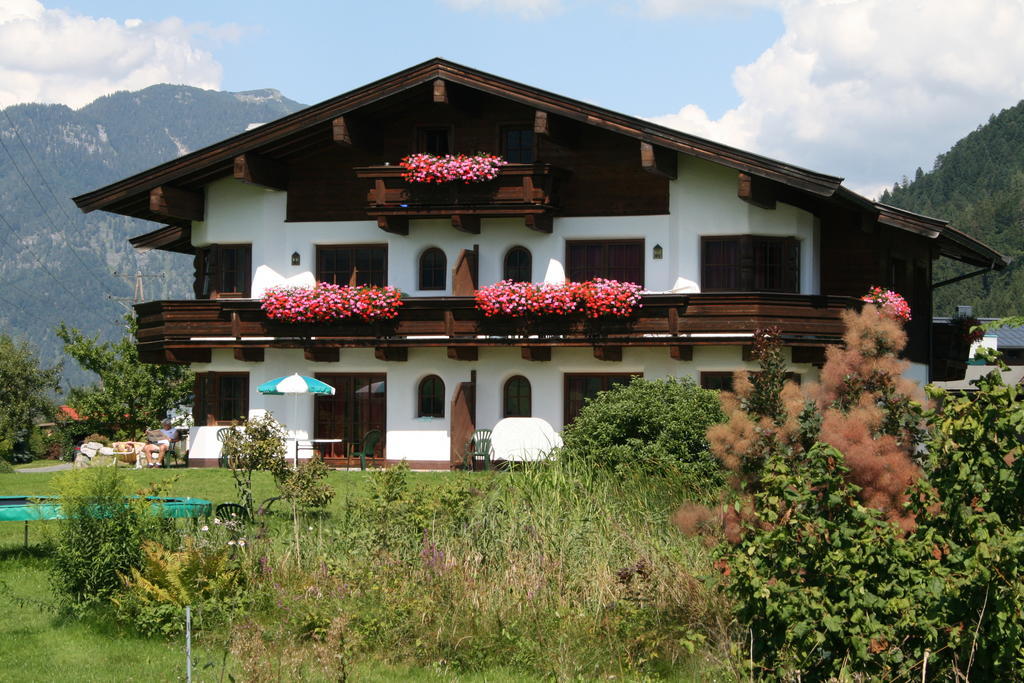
(358, 406)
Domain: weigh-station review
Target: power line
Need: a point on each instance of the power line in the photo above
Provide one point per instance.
(46, 215)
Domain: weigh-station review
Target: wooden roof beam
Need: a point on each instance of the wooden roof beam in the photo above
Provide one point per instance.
(256, 169)
(340, 132)
(754, 191)
(322, 354)
(469, 353)
(540, 222)
(465, 222)
(608, 353)
(659, 160)
(536, 353)
(396, 225)
(391, 353)
(176, 202)
(440, 91)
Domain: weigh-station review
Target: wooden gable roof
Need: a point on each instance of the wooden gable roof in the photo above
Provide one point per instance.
(175, 183)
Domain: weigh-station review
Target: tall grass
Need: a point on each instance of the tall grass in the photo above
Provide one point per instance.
(552, 570)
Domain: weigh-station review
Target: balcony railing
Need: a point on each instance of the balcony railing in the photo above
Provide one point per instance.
(168, 330)
(519, 190)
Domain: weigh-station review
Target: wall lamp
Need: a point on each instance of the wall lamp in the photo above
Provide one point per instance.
(657, 252)
(296, 259)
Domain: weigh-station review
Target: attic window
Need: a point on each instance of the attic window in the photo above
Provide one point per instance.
(517, 144)
(436, 141)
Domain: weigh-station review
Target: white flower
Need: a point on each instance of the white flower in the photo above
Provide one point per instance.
(241, 542)
(204, 528)
(231, 542)
(216, 520)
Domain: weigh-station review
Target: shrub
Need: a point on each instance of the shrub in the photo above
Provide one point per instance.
(100, 537)
(6, 467)
(648, 426)
(257, 444)
(306, 486)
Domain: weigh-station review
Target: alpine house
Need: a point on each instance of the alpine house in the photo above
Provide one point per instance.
(358, 192)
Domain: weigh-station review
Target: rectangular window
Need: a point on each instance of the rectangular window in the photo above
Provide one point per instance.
(220, 397)
(434, 140)
(352, 264)
(223, 271)
(749, 263)
(621, 260)
(722, 381)
(580, 387)
(517, 144)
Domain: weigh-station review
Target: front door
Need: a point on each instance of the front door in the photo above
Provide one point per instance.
(358, 406)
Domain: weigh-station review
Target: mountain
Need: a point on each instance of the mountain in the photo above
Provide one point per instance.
(978, 185)
(57, 264)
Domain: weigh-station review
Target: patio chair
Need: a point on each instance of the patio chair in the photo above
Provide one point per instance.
(369, 443)
(228, 511)
(479, 446)
(222, 461)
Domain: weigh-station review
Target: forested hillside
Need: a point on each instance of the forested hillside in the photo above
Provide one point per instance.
(57, 264)
(978, 186)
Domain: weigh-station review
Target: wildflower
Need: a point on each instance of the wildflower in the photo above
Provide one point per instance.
(204, 528)
(241, 543)
(216, 520)
(231, 542)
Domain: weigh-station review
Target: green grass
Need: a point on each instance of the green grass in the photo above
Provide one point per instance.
(38, 645)
(35, 464)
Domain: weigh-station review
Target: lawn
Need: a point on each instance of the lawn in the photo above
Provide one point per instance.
(38, 645)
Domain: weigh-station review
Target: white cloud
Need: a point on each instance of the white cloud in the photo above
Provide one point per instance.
(668, 8)
(871, 89)
(49, 55)
(526, 9)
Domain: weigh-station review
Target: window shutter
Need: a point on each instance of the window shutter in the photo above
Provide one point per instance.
(212, 272)
(791, 265)
(199, 400)
(245, 269)
(212, 398)
(200, 283)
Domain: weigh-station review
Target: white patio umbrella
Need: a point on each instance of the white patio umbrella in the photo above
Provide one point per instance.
(294, 385)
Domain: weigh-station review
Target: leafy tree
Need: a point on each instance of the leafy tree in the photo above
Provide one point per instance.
(257, 443)
(27, 390)
(131, 396)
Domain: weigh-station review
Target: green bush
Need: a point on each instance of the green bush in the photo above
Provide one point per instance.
(5, 467)
(100, 538)
(649, 426)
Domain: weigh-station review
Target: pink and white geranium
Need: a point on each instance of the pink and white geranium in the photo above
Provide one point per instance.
(889, 302)
(595, 298)
(325, 302)
(427, 168)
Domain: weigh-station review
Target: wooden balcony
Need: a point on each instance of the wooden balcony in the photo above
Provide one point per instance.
(527, 191)
(186, 331)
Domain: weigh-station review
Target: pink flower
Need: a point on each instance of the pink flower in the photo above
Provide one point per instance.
(329, 303)
(889, 302)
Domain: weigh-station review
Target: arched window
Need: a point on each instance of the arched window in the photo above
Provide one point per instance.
(430, 397)
(518, 265)
(516, 397)
(433, 265)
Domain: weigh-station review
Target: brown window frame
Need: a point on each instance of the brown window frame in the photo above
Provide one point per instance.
(433, 287)
(423, 402)
(572, 270)
(750, 273)
(527, 396)
(209, 407)
(354, 275)
(422, 130)
(210, 274)
(506, 275)
(567, 407)
(709, 376)
(504, 147)
(350, 422)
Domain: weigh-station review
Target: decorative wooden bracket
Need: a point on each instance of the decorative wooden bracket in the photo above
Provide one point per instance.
(183, 356)
(340, 132)
(681, 351)
(396, 225)
(754, 190)
(256, 169)
(815, 355)
(249, 354)
(609, 353)
(463, 353)
(391, 353)
(440, 91)
(556, 129)
(466, 223)
(659, 160)
(175, 202)
(322, 354)
(536, 353)
(540, 222)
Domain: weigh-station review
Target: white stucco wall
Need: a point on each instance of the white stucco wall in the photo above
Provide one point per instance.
(703, 201)
(426, 439)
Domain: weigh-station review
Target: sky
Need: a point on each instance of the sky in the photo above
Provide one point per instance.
(864, 89)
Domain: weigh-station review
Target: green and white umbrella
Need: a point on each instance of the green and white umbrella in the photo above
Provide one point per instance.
(294, 385)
